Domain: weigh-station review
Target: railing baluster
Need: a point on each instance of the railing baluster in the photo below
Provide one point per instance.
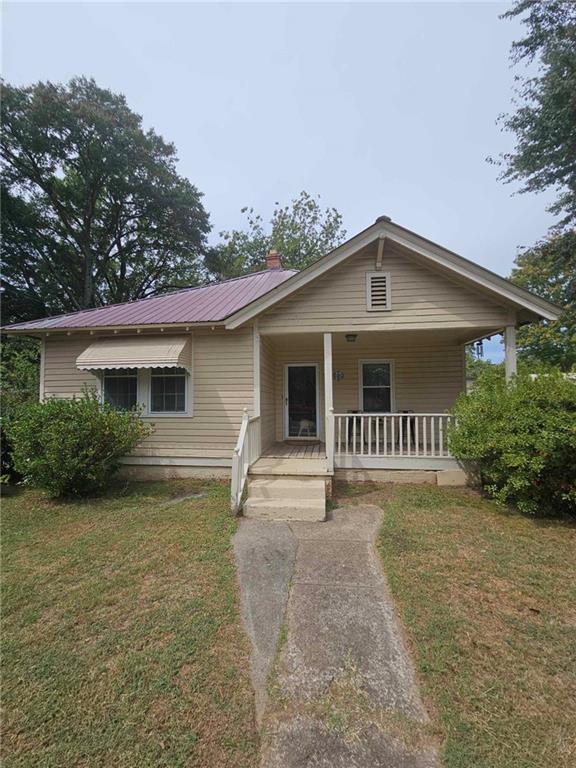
(432, 436)
(361, 435)
(417, 427)
(369, 435)
(377, 435)
(401, 436)
(441, 435)
(353, 435)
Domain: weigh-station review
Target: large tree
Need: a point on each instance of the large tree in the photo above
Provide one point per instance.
(545, 118)
(549, 269)
(93, 209)
(301, 231)
(544, 158)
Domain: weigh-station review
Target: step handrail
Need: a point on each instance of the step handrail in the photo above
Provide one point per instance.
(246, 452)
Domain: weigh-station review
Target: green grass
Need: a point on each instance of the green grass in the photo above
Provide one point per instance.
(488, 598)
(122, 643)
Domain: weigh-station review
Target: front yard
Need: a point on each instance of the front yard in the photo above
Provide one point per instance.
(488, 598)
(122, 642)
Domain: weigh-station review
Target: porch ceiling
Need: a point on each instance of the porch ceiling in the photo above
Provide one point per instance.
(367, 339)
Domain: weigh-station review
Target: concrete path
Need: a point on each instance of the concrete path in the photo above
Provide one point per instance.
(334, 684)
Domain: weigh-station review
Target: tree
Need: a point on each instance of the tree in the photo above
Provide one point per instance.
(302, 232)
(545, 118)
(549, 270)
(93, 208)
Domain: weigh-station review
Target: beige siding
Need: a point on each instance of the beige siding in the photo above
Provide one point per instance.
(421, 298)
(267, 391)
(222, 388)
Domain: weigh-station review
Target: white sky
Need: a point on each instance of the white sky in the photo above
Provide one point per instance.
(382, 108)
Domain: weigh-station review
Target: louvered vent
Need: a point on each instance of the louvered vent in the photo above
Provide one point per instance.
(378, 291)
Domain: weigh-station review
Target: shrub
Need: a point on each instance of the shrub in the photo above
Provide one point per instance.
(72, 447)
(19, 384)
(520, 440)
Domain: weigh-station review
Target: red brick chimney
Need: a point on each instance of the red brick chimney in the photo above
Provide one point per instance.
(273, 260)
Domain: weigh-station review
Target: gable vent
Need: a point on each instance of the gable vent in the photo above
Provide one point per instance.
(378, 291)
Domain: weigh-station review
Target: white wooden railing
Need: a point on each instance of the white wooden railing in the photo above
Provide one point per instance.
(248, 450)
(414, 435)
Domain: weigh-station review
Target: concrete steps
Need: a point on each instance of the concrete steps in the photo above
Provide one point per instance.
(287, 490)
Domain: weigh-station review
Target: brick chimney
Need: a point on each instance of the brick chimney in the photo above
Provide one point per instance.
(273, 260)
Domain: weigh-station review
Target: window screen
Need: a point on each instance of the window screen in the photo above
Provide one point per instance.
(121, 388)
(376, 387)
(168, 390)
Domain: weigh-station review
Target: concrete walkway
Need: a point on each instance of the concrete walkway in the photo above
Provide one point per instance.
(334, 684)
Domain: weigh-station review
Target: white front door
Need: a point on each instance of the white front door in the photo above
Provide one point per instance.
(301, 409)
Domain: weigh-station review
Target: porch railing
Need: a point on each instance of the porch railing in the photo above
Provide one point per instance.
(414, 435)
(248, 450)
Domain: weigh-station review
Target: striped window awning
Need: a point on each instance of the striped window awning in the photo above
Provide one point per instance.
(137, 352)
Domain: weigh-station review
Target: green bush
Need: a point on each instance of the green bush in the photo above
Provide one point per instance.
(72, 447)
(519, 439)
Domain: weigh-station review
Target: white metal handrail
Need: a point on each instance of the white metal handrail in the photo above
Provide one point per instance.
(248, 450)
(392, 434)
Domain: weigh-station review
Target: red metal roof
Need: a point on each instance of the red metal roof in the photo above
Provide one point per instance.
(208, 303)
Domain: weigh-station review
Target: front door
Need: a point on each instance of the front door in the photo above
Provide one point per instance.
(301, 401)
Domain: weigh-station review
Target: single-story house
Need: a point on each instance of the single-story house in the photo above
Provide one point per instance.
(283, 378)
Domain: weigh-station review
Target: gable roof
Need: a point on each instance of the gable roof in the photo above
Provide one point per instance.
(206, 304)
(236, 301)
(499, 287)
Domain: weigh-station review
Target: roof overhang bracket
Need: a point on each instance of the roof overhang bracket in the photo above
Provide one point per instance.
(380, 254)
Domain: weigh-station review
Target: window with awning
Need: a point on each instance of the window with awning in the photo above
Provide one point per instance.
(153, 372)
(137, 352)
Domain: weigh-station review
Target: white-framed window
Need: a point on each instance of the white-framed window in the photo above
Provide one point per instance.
(168, 390)
(376, 378)
(120, 388)
(378, 292)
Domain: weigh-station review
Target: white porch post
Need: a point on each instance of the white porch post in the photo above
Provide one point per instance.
(328, 401)
(256, 369)
(510, 351)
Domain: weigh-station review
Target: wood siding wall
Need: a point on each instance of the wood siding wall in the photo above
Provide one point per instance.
(222, 388)
(267, 391)
(421, 299)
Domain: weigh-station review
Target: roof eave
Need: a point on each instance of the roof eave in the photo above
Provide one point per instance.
(108, 328)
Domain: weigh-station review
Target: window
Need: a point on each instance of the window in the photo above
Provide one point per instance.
(378, 291)
(121, 388)
(376, 386)
(168, 390)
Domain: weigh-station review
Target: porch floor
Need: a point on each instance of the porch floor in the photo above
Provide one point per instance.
(297, 450)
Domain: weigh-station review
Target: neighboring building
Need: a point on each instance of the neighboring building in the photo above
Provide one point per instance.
(351, 364)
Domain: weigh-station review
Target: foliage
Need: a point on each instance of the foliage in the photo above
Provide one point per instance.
(302, 232)
(545, 119)
(520, 438)
(549, 270)
(19, 384)
(475, 366)
(93, 209)
(71, 447)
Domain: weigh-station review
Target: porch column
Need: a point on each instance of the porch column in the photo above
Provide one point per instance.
(328, 401)
(510, 351)
(256, 369)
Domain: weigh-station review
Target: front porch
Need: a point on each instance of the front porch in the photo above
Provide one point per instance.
(357, 402)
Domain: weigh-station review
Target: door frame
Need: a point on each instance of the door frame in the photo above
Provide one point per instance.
(285, 401)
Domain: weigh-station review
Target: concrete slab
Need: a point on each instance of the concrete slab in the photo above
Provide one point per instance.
(308, 742)
(451, 477)
(332, 629)
(343, 688)
(265, 554)
(338, 563)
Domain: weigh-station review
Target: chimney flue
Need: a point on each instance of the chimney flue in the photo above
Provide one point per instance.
(273, 260)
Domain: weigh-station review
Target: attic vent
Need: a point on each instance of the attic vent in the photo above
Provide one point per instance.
(378, 291)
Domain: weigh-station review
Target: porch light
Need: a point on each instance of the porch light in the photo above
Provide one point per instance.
(351, 337)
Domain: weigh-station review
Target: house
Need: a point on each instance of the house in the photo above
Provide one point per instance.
(283, 378)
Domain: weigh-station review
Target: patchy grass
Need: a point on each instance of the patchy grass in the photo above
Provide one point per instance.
(489, 601)
(122, 642)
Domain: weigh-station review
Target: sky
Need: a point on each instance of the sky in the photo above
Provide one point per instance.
(379, 108)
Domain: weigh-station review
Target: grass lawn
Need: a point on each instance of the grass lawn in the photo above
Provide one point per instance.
(122, 642)
(488, 598)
